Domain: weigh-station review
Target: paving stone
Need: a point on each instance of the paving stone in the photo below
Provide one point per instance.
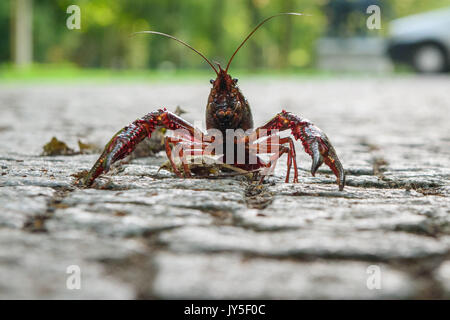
(16, 211)
(323, 242)
(231, 276)
(442, 275)
(36, 265)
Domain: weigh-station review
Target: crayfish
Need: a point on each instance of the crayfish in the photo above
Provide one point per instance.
(227, 111)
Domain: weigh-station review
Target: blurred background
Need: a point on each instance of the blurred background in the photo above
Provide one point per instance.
(36, 42)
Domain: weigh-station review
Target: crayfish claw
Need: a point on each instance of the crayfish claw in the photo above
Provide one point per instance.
(113, 151)
(339, 172)
(96, 170)
(314, 140)
(316, 157)
(335, 165)
(108, 161)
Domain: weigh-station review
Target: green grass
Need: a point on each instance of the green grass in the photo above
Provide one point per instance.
(63, 74)
(68, 74)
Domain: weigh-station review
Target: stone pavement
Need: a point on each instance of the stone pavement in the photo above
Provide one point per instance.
(143, 234)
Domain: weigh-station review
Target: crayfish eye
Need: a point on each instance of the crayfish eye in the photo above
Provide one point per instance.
(235, 80)
(211, 81)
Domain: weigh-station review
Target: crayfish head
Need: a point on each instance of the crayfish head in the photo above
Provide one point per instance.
(227, 107)
(224, 82)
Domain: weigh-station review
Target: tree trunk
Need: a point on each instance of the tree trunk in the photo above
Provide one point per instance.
(216, 34)
(22, 32)
(286, 36)
(255, 58)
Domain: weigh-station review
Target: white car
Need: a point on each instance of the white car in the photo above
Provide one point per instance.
(422, 41)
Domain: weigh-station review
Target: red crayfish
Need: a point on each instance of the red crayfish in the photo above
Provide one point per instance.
(227, 110)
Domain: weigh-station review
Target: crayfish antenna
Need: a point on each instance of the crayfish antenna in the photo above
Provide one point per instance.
(180, 41)
(257, 27)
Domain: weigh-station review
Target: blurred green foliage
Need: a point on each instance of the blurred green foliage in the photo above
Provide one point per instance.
(215, 27)
(5, 22)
